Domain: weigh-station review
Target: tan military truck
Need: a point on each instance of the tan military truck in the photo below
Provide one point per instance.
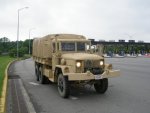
(66, 59)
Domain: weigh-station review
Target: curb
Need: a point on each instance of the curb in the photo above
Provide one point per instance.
(4, 90)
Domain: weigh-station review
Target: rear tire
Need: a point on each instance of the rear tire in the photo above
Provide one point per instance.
(42, 78)
(101, 86)
(37, 71)
(63, 86)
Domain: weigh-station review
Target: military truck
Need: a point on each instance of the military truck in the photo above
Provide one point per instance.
(67, 59)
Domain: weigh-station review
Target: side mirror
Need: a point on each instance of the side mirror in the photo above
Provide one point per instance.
(100, 49)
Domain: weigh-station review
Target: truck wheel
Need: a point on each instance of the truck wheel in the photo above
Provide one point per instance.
(37, 71)
(101, 86)
(63, 86)
(42, 78)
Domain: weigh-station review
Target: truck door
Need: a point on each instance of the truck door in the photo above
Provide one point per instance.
(55, 58)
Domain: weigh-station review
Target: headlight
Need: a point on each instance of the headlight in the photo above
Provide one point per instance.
(78, 64)
(63, 61)
(101, 63)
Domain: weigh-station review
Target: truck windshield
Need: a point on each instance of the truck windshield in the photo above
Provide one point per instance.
(73, 46)
(68, 46)
(80, 46)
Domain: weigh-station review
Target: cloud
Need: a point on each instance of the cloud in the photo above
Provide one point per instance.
(99, 19)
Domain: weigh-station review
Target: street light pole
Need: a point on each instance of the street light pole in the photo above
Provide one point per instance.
(18, 30)
(30, 40)
(18, 34)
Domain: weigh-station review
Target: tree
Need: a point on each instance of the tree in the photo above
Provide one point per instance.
(4, 44)
(4, 39)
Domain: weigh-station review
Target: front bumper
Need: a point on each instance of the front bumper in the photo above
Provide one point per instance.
(89, 76)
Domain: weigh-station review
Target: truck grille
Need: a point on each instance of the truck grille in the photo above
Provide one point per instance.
(94, 71)
(91, 63)
(93, 66)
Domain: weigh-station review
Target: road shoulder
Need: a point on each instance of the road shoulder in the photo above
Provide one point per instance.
(18, 100)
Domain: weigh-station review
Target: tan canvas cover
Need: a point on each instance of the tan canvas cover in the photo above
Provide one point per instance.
(34, 51)
(42, 47)
(69, 36)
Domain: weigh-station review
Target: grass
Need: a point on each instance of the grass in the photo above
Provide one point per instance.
(4, 61)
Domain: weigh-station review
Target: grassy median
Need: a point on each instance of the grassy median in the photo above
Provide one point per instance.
(4, 61)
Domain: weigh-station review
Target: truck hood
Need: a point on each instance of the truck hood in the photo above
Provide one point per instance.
(81, 56)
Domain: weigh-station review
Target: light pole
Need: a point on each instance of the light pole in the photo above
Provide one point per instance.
(29, 39)
(18, 30)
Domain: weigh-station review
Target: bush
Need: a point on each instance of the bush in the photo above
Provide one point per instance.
(22, 51)
(13, 53)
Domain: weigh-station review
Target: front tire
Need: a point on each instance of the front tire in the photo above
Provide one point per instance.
(63, 86)
(101, 86)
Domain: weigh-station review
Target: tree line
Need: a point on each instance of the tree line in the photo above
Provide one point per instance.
(8, 47)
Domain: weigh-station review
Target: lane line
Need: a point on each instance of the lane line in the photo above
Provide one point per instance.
(73, 98)
(33, 83)
(26, 98)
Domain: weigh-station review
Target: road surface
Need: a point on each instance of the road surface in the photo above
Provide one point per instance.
(129, 93)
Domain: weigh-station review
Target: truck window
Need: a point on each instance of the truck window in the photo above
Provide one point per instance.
(54, 47)
(68, 46)
(80, 46)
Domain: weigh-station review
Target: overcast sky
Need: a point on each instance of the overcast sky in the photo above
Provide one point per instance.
(98, 19)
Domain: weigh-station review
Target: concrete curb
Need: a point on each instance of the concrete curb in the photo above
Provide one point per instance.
(4, 90)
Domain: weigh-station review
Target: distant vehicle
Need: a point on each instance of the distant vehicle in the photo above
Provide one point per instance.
(121, 40)
(67, 59)
(131, 41)
(102, 41)
(111, 40)
(140, 41)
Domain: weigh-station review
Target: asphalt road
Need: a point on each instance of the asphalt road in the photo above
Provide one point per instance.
(129, 93)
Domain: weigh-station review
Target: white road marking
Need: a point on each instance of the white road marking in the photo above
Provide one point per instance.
(27, 98)
(33, 83)
(73, 98)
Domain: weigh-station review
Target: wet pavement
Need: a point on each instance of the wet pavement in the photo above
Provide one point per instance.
(128, 93)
